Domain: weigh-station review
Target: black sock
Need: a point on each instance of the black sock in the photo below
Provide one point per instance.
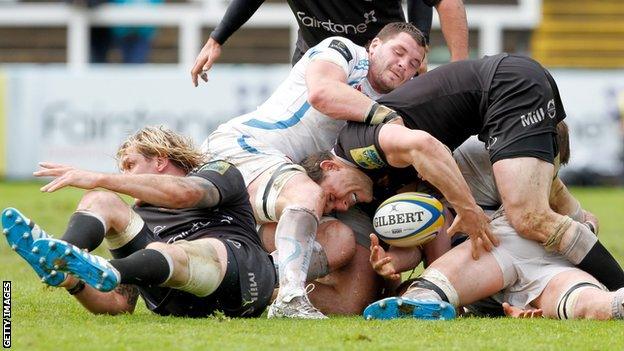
(602, 265)
(145, 267)
(84, 231)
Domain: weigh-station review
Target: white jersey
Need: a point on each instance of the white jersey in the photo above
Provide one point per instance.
(286, 121)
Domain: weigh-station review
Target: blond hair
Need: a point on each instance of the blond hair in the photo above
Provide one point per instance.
(158, 141)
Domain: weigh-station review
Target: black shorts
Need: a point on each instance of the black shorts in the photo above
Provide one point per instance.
(524, 103)
(245, 291)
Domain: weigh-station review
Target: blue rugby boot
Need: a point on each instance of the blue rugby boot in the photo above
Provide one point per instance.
(62, 256)
(21, 233)
(401, 307)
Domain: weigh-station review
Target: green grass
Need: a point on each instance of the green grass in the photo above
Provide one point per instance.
(49, 319)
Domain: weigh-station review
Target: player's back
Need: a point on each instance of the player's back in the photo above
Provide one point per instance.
(287, 122)
(449, 102)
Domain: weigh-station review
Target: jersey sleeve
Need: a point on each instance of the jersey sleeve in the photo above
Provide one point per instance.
(358, 143)
(237, 13)
(338, 50)
(226, 178)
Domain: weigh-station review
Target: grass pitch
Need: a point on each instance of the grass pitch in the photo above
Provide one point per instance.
(50, 319)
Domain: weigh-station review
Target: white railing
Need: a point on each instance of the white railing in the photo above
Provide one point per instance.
(489, 20)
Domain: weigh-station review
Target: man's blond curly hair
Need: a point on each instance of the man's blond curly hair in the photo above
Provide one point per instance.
(158, 141)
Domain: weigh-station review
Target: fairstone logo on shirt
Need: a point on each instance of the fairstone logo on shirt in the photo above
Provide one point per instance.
(367, 157)
(337, 28)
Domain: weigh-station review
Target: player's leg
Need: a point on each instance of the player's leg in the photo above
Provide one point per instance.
(291, 197)
(334, 247)
(453, 280)
(524, 184)
(576, 294)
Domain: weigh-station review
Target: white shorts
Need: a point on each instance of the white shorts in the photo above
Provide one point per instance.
(527, 267)
(250, 156)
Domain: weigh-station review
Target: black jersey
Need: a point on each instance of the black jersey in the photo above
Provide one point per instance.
(232, 215)
(449, 102)
(502, 98)
(358, 144)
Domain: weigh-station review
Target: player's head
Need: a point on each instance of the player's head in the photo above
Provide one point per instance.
(344, 185)
(395, 55)
(155, 150)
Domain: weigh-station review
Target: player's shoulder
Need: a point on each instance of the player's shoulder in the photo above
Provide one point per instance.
(341, 45)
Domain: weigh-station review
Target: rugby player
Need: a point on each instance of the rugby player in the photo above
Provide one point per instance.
(513, 104)
(188, 246)
(333, 82)
(528, 275)
(358, 21)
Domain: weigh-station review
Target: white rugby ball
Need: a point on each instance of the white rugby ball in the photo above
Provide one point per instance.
(409, 219)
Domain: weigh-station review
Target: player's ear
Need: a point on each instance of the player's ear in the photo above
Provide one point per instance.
(329, 165)
(374, 44)
(161, 163)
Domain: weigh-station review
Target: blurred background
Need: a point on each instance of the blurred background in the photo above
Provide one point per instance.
(76, 76)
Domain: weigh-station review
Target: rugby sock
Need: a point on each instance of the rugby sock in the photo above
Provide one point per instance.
(85, 230)
(585, 251)
(617, 304)
(319, 266)
(294, 238)
(602, 265)
(145, 267)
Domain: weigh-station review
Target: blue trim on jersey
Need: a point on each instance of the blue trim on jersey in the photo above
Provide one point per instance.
(243, 144)
(287, 123)
(361, 65)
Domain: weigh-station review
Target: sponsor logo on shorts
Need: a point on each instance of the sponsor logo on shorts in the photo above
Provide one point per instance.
(337, 28)
(552, 110)
(218, 166)
(235, 243)
(367, 157)
(253, 287)
(532, 117)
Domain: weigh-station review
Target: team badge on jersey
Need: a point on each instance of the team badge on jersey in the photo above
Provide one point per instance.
(218, 166)
(367, 157)
(341, 48)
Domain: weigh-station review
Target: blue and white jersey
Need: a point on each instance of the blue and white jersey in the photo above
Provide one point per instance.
(286, 121)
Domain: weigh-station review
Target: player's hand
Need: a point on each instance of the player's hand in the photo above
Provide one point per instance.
(66, 176)
(516, 312)
(593, 220)
(476, 224)
(381, 263)
(208, 55)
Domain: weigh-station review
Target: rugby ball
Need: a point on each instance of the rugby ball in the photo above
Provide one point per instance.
(408, 219)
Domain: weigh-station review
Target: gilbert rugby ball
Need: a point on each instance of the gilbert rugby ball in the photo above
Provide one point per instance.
(408, 219)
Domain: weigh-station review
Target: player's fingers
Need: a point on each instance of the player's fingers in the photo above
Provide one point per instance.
(51, 185)
(54, 172)
(197, 67)
(49, 165)
(491, 236)
(374, 239)
(475, 247)
(486, 243)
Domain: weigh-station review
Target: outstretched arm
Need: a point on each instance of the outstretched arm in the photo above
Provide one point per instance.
(156, 189)
(433, 161)
(237, 13)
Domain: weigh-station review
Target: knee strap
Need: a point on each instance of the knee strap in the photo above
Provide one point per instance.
(433, 280)
(552, 243)
(135, 224)
(203, 265)
(567, 301)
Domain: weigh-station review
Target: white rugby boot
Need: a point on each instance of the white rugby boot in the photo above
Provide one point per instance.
(295, 304)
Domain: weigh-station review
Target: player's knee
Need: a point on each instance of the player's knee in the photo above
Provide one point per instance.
(527, 223)
(341, 244)
(196, 266)
(101, 199)
(571, 306)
